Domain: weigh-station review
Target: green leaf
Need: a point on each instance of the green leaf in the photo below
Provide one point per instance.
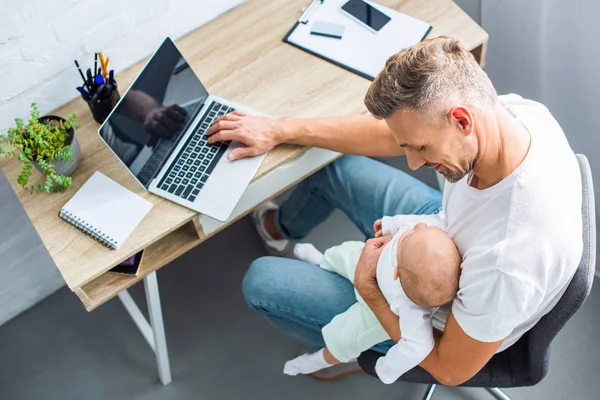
(63, 154)
(35, 111)
(25, 173)
(48, 184)
(61, 183)
(47, 167)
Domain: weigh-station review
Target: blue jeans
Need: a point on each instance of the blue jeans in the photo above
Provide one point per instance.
(299, 298)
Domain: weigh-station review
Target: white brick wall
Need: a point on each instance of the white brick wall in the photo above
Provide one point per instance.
(39, 39)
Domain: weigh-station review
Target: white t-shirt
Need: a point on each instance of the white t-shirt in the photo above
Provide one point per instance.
(521, 239)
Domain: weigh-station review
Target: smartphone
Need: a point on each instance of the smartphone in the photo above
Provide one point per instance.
(369, 17)
(131, 266)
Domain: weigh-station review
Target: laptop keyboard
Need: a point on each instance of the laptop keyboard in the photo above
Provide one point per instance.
(196, 159)
(161, 151)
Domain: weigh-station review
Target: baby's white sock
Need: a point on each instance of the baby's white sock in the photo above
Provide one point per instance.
(308, 252)
(306, 364)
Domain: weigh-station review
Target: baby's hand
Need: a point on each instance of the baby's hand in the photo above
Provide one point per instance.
(377, 227)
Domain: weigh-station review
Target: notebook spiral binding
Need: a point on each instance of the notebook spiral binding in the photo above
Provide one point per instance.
(88, 229)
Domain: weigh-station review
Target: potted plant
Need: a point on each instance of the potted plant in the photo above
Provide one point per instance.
(49, 144)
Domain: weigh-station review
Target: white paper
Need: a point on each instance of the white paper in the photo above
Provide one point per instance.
(359, 48)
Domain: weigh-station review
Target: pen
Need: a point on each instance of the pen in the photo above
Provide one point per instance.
(84, 94)
(95, 63)
(111, 76)
(82, 77)
(91, 82)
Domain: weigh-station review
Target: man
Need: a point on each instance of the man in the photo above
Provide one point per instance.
(512, 202)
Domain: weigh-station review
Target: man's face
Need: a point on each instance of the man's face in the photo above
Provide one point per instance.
(450, 147)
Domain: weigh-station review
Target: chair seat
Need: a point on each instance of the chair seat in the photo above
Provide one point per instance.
(515, 360)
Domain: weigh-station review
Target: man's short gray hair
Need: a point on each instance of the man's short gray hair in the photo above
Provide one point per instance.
(431, 76)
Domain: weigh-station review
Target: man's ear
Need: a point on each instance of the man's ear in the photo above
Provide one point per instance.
(463, 119)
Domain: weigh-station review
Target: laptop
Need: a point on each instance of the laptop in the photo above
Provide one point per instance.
(158, 131)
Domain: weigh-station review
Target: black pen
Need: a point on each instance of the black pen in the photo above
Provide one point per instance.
(95, 64)
(82, 77)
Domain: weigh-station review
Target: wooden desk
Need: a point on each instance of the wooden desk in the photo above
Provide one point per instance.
(239, 56)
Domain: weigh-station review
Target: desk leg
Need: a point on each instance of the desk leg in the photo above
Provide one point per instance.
(153, 332)
(158, 328)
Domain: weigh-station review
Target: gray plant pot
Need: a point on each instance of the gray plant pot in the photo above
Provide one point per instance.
(61, 167)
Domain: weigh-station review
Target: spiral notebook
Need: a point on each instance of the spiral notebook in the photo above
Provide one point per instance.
(105, 210)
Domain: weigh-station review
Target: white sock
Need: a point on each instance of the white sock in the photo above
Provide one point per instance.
(308, 252)
(306, 364)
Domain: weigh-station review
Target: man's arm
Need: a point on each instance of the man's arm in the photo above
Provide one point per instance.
(455, 358)
(351, 134)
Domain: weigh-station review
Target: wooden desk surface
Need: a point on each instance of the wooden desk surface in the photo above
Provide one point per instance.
(239, 56)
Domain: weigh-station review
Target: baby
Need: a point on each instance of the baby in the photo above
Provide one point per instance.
(427, 263)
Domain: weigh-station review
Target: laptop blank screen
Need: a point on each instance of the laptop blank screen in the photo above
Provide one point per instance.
(148, 122)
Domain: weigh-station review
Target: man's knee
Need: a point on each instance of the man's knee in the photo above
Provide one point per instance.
(256, 285)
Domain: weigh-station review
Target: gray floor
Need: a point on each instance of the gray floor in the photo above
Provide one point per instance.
(218, 348)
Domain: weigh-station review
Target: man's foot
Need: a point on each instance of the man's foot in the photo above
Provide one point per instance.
(263, 221)
(308, 252)
(335, 372)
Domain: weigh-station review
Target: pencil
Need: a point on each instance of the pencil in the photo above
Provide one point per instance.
(81, 73)
(102, 61)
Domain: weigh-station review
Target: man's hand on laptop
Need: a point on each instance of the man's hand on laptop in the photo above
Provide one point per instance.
(259, 134)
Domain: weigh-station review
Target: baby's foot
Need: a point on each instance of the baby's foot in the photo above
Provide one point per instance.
(308, 252)
(306, 364)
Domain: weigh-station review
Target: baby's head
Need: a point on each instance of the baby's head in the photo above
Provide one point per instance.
(428, 266)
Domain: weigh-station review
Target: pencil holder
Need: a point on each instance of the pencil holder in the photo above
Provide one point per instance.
(102, 106)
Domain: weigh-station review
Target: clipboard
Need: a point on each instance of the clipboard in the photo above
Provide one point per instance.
(346, 52)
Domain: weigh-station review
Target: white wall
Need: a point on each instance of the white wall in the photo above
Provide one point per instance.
(39, 39)
(548, 50)
(471, 7)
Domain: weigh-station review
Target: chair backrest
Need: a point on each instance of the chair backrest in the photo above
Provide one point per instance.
(542, 334)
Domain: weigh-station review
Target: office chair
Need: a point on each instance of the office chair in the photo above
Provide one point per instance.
(526, 362)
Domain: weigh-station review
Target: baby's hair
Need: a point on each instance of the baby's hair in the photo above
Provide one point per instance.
(429, 267)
